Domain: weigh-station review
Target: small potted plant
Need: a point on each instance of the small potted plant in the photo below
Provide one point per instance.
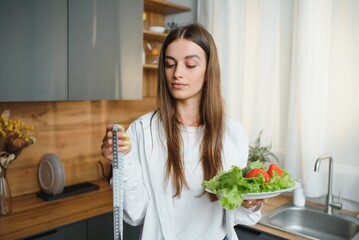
(261, 153)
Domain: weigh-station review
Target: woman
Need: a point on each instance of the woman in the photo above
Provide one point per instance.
(169, 152)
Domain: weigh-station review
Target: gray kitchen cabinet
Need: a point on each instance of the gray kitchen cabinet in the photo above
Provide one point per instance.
(96, 228)
(101, 227)
(105, 49)
(75, 231)
(33, 50)
(70, 50)
(249, 233)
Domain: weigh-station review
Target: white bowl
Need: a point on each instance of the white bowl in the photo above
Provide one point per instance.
(157, 29)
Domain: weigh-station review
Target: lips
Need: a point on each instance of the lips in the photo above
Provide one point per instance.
(178, 85)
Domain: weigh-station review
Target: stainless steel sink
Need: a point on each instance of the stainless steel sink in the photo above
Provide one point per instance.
(312, 223)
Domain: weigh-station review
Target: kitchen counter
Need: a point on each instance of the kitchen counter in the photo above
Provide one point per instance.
(32, 214)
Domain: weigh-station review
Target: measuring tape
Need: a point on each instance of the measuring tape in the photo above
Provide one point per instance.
(117, 185)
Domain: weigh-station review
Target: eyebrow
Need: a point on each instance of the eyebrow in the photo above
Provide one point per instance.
(186, 57)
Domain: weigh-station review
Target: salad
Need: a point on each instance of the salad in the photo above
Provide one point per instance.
(255, 178)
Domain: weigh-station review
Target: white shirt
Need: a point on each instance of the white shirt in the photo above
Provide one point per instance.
(148, 200)
(191, 208)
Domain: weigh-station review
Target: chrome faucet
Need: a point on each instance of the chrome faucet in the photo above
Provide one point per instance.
(329, 202)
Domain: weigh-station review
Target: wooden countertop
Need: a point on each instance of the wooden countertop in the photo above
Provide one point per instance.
(32, 214)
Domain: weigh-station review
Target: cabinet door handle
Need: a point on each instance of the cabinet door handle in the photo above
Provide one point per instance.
(40, 235)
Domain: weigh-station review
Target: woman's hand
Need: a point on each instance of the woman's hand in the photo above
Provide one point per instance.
(123, 142)
(253, 205)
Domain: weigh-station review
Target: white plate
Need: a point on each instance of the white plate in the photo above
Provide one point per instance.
(263, 195)
(51, 174)
(157, 29)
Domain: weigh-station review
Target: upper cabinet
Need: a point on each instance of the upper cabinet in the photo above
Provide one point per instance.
(70, 50)
(33, 50)
(105, 49)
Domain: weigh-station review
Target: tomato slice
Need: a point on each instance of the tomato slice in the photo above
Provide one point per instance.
(256, 172)
(274, 167)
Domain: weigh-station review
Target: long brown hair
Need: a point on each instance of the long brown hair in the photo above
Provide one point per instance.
(211, 109)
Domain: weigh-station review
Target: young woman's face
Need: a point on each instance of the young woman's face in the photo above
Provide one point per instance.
(185, 69)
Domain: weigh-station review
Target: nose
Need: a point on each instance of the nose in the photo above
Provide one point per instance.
(178, 73)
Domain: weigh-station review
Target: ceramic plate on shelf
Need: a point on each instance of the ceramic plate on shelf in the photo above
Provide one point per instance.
(264, 195)
(157, 29)
(51, 174)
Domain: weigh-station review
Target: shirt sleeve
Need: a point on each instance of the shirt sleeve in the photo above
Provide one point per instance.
(245, 216)
(135, 196)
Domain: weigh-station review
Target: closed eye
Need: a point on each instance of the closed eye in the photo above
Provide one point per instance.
(168, 65)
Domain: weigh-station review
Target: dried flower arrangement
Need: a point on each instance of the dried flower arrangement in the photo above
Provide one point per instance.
(14, 137)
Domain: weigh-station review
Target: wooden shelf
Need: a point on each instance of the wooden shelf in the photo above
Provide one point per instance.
(153, 36)
(156, 11)
(153, 99)
(150, 66)
(164, 7)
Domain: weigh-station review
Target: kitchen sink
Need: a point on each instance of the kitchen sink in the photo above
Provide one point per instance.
(312, 223)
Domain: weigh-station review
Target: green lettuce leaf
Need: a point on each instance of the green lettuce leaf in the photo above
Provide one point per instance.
(230, 185)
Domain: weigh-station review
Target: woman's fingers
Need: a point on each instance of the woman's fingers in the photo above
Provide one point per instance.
(253, 205)
(106, 148)
(123, 142)
(109, 127)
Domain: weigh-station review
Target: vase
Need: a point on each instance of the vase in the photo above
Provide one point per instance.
(5, 194)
